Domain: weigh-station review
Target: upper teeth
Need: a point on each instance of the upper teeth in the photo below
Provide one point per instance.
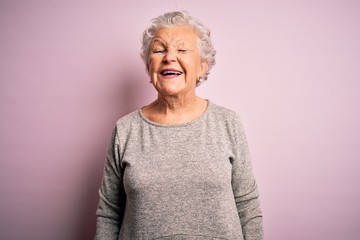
(171, 72)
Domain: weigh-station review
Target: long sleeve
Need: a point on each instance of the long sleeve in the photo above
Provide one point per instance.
(112, 198)
(244, 186)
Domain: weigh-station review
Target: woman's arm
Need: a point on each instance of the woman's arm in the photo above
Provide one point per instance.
(112, 197)
(244, 187)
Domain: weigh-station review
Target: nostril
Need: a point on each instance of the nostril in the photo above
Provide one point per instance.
(169, 57)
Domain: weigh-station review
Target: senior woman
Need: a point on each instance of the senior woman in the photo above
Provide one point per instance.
(178, 168)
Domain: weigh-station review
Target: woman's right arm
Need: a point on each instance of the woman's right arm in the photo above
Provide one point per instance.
(112, 197)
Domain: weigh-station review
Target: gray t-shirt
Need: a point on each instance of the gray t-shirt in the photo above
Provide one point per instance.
(186, 181)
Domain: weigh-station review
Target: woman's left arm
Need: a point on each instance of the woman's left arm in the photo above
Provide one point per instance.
(244, 186)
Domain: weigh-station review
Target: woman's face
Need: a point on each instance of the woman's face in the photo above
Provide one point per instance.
(174, 61)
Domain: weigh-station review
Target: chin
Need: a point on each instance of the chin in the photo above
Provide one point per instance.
(170, 90)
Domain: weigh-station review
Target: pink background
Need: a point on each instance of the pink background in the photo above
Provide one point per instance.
(70, 69)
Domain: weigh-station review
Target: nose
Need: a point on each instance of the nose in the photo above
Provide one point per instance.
(170, 56)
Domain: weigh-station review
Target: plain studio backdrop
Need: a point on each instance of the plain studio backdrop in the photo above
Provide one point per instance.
(70, 69)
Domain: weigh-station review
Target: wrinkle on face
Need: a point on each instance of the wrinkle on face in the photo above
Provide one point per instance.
(177, 48)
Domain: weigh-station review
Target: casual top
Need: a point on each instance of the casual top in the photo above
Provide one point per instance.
(184, 181)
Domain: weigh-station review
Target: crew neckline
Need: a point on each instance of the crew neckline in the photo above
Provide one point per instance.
(176, 125)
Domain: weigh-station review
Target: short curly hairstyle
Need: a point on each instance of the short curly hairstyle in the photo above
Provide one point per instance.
(180, 18)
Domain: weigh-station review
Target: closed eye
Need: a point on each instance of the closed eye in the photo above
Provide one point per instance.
(182, 50)
(159, 51)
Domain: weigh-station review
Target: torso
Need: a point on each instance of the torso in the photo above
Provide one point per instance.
(178, 178)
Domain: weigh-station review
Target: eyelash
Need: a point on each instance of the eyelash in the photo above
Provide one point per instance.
(162, 51)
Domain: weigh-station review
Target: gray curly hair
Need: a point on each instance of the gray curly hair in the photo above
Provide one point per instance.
(180, 18)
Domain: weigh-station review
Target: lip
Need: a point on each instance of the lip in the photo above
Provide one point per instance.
(170, 76)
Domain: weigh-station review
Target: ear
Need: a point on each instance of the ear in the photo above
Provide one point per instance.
(204, 65)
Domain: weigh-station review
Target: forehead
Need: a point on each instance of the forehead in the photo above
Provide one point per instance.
(178, 34)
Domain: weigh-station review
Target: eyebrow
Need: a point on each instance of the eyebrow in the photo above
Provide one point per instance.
(158, 41)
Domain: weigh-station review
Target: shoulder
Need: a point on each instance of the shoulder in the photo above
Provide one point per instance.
(128, 123)
(226, 119)
(230, 122)
(223, 114)
(128, 118)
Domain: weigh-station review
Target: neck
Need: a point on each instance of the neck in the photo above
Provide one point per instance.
(168, 110)
(175, 104)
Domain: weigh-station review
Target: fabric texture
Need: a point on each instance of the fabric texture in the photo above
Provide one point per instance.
(186, 181)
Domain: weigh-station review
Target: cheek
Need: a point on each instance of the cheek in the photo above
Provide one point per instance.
(150, 66)
(187, 63)
(153, 65)
(192, 66)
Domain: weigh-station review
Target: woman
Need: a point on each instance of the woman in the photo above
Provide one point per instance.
(178, 168)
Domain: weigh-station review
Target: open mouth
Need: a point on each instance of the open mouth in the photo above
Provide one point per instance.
(170, 73)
